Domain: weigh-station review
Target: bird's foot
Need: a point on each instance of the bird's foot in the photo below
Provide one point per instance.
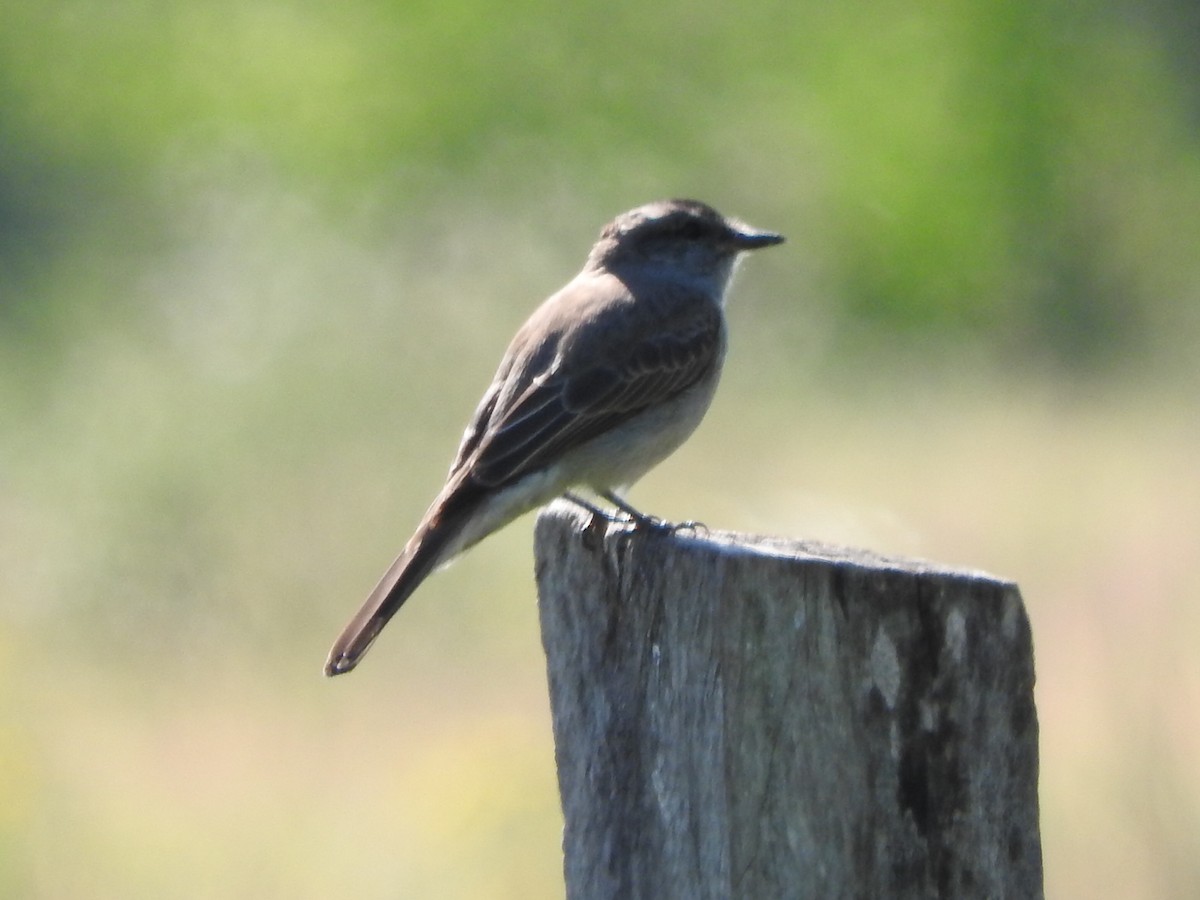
(595, 511)
(628, 515)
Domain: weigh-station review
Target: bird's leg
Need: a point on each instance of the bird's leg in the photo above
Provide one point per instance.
(636, 516)
(592, 508)
(642, 520)
(628, 514)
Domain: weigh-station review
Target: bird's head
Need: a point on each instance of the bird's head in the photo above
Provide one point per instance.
(686, 235)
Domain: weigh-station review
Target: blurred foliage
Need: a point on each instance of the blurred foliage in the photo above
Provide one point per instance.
(258, 259)
(1024, 173)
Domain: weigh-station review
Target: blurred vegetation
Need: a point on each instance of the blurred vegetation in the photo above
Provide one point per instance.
(258, 259)
(1024, 174)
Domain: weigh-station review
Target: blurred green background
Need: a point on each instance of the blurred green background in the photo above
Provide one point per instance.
(258, 261)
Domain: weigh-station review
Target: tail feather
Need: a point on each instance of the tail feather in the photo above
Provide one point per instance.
(424, 552)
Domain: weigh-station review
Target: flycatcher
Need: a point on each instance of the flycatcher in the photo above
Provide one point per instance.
(604, 381)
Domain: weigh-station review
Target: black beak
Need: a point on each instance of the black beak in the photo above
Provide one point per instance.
(752, 239)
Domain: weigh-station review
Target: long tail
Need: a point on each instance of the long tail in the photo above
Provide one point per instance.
(434, 542)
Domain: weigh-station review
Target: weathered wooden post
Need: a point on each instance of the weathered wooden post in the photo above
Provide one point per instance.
(743, 717)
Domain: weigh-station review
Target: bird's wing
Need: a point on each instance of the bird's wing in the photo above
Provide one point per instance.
(580, 367)
(572, 395)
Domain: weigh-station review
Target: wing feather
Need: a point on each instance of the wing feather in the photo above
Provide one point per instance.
(568, 405)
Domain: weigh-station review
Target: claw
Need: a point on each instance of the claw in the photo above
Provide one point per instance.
(626, 514)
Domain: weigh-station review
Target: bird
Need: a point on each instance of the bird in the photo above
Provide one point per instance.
(606, 378)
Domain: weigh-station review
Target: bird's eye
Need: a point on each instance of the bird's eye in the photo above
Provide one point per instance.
(692, 230)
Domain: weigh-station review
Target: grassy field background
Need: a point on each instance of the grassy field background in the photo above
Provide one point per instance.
(258, 262)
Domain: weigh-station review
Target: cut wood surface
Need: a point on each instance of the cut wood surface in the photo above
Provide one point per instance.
(746, 717)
